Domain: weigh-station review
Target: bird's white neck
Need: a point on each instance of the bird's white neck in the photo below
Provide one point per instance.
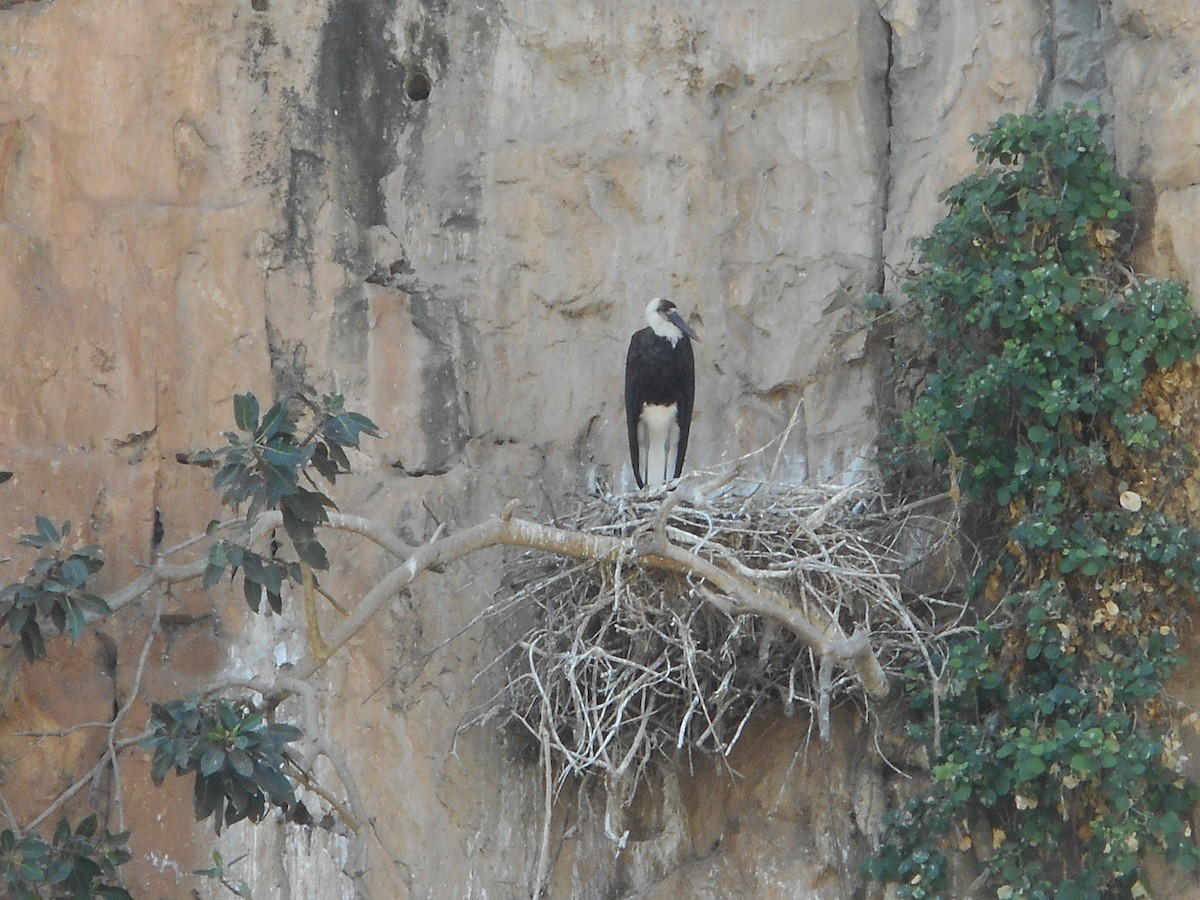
(661, 325)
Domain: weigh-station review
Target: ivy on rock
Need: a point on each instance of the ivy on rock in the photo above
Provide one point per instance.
(1051, 753)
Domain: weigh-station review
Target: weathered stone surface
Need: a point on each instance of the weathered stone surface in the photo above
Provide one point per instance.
(1157, 136)
(956, 67)
(455, 215)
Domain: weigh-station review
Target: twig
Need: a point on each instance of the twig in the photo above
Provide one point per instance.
(316, 644)
(82, 782)
(543, 864)
(118, 794)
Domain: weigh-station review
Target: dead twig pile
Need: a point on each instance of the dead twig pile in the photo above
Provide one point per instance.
(628, 664)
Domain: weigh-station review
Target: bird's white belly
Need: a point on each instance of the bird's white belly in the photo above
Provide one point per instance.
(659, 438)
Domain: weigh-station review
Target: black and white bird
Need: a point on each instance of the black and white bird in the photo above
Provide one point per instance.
(660, 386)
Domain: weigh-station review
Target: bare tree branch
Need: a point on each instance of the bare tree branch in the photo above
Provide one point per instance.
(659, 554)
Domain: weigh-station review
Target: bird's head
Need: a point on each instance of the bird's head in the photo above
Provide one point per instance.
(665, 321)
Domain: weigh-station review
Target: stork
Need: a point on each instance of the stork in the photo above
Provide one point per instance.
(660, 385)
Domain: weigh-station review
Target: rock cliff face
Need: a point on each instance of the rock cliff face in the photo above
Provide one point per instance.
(455, 215)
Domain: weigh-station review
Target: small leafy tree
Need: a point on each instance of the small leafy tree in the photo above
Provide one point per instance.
(234, 753)
(1051, 736)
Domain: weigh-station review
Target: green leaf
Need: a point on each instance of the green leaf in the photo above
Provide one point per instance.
(346, 429)
(272, 423)
(276, 784)
(280, 468)
(216, 566)
(229, 716)
(272, 577)
(1039, 434)
(207, 796)
(212, 760)
(46, 530)
(58, 871)
(304, 540)
(285, 733)
(32, 871)
(252, 566)
(241, 762)
(161, 764)
(16, 615)
(252, 591)
(236, 555)
(326, 467)
(87, 827)
(307, 507)
(32, 642)
(245, 412)
(94, 605)
(76, 622)
(46, 534)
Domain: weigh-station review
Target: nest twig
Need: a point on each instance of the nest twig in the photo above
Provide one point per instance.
(629, 664)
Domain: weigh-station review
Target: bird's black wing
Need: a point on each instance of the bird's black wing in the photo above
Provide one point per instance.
(687, 397)
(633, 401)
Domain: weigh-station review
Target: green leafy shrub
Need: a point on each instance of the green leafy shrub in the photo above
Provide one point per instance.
(77, 863)
(265, 465)
(54, 589)
(236, 757)
(1050, 738)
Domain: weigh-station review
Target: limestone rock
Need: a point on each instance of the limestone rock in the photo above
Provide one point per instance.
(454, 214)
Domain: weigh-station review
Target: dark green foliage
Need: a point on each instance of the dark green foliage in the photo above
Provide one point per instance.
(261, 575)
(266, 465)
(1037, 348)
(1051, 718)
(78, 863)
(236, 757)
(54, 590)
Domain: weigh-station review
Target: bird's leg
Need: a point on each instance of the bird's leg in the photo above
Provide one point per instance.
(671, 451)
(643, 460)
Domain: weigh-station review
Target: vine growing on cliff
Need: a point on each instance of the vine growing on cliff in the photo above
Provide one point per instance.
(1052, 754)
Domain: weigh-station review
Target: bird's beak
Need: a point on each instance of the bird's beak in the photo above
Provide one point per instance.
(677, 319)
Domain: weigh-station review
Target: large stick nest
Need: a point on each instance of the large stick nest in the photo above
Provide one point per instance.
(626, 664)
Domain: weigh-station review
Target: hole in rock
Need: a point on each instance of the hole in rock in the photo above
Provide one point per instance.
(417, 85)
